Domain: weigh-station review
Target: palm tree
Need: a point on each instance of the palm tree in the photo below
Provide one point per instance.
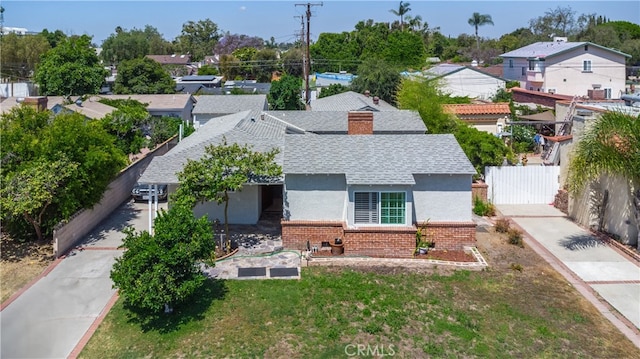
(402, 10)
(610, 147)
(477, 20)
(415, 23)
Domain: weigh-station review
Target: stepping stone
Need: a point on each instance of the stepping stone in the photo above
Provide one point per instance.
(284, 272)
(252, 272)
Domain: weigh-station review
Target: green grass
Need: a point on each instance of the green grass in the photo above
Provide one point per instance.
(467, 314)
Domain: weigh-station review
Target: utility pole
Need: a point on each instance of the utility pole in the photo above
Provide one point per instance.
(307, 62)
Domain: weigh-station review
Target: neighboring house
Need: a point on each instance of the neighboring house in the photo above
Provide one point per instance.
(90, 108)
(617, 215)
(177, 65)
(568, 68)
(465, 81)
(247, 86)
(211, 106)
(372, 189)
(488, 117)
(170, 105)
(351, 101)
(198, 84)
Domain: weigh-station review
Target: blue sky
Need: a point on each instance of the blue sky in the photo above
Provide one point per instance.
(278, 18)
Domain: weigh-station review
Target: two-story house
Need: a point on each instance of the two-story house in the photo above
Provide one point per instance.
(568, 68)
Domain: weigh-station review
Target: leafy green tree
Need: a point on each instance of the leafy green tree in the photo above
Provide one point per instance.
(482, 148)
(229, 67)
(198, 38)
(403, 9)
(379, 78)
(126, 124)
(207, 70)
(143, 76)
(334, 52)
(224, 168)
(128, 45)
(292, 62)
(426, 98)
(478, 20)
(160, 271)
(245, 56)
(31, 137)
(611, 146)
(54, 38)
(405, 49)
(20, 55)
(266, 63)
(285, 94)
(29, 192)
(163, 128)
(333, 89)
(71, 68)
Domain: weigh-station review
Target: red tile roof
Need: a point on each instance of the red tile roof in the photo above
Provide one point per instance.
(478, 109)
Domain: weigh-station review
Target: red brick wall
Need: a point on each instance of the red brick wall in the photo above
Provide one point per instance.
(451, 236)
(360, 123)
(398, 242)
(380, 242)
(479, 189)
(295, 234)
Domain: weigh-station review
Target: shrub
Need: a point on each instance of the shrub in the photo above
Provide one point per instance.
(502, 225)
(515, 237)
(482, 208)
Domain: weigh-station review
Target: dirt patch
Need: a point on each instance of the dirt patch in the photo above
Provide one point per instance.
(20, 263)
(454, 256)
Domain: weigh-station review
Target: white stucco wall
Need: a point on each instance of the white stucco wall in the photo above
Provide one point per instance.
(315, 197)
(442, 198)
(244, 207)
(471, 83)
(514, 72)
(564, 72)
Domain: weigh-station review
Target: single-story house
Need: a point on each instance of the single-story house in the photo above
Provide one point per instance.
(364, 182)
(465, 81)
(488, 117)
(211, 106)
(351, 101)
(170, 105)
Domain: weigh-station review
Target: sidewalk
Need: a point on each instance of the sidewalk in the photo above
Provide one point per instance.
(50, 317)
(595, 268)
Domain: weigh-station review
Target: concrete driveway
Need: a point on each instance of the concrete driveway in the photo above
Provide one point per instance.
(49, 318)
(613, 276)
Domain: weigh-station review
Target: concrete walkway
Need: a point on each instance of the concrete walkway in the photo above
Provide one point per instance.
(48, 319)
(585, 261)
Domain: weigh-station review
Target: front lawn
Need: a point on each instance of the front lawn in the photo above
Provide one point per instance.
(518, 308)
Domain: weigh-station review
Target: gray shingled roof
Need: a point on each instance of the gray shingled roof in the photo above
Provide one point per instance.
(349, 101)
(375, 159)
(244, 128)
(335, 122)
(228, 104)
(549, 49)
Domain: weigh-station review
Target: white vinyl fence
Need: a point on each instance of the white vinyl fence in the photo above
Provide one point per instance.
(522, 184)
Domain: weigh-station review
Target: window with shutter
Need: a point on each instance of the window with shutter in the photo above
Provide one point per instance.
(366, 207)
(380, 208)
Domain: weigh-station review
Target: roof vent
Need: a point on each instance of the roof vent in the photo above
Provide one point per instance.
(560, 39)
(376, 100)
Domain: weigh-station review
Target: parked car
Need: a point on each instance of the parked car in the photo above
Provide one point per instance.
(140, 192)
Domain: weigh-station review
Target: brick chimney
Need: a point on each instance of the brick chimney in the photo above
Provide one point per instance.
(360, 123)
(39, 103)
